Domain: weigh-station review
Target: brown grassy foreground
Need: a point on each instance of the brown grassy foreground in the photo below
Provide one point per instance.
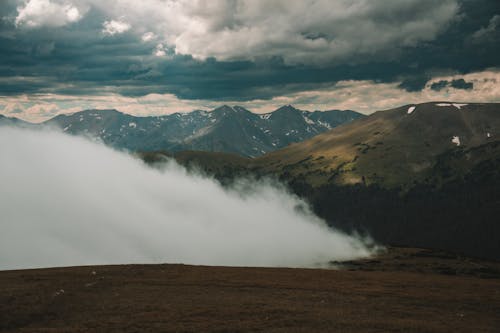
(406, 290)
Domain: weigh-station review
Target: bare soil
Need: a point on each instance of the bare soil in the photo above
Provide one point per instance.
(403, 290)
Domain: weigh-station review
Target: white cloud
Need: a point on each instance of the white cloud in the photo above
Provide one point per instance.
(37, 13)
(67, 201)
(113, 27)
(160, 51)
(148, 36)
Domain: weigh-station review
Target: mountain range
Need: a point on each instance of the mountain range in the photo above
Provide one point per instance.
(425, 175)
(224, 129)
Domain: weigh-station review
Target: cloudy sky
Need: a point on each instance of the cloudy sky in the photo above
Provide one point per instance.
(153, 57)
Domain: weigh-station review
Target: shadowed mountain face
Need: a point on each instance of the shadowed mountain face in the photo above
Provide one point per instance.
(424, 175)
(225, 129)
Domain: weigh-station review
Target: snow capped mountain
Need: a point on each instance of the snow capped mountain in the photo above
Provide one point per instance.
(225, 129)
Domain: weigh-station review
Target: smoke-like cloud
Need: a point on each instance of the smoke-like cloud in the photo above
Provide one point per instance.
(38, 13)
(111, 28)
(69, 201)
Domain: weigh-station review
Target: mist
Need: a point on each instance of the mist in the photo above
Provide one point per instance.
(67, 201)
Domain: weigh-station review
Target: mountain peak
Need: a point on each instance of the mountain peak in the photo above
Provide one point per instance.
(224, 107)
(89, 111)
(240, 108)
(233, 109)
(102, 111)
(287, 107)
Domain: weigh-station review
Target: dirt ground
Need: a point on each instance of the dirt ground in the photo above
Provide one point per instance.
(403, 290)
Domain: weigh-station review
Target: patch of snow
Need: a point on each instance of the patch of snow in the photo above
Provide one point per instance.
(456, 140)
(327, 125)
(458, 105)
(308, 120)
(66, 128)
(265, 116)
(132, 125)
(488, 135)
(411, 109)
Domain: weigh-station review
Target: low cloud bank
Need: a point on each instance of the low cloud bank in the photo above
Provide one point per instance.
(68, 201)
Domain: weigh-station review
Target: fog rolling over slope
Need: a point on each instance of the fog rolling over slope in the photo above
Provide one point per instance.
(68, 201)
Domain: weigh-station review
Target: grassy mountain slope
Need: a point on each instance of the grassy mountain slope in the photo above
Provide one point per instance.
(390, 148)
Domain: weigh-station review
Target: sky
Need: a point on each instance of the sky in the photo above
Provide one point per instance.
(154, 57)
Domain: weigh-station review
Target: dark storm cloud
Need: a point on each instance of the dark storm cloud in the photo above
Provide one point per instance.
(457, 84)
(414, 83)
(77, 58)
